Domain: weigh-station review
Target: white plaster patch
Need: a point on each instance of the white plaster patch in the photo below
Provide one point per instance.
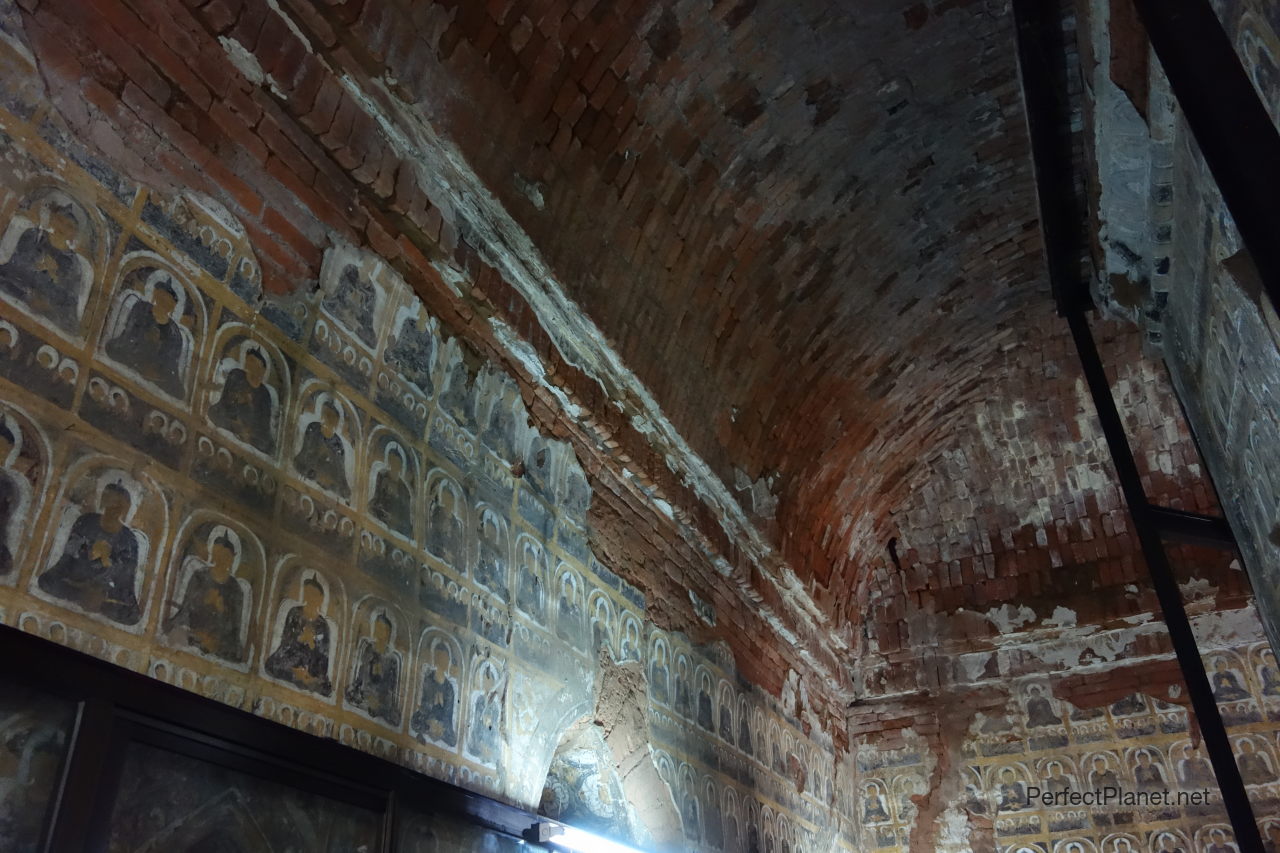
(293, 27)
(1008, 618)
(953, 829)
(1062, 617)
(247, 64)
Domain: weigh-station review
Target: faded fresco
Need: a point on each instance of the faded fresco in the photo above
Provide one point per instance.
(313, 509)
(1018, 765)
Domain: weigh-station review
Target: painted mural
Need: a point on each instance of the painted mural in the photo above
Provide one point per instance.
(313, 509)
(1021, 766)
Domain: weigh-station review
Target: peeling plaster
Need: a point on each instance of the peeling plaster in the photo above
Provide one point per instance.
(244, 60)
(1008, 618)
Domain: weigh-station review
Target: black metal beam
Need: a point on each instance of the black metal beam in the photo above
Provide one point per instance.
(1234, 797)
(1239, 141)
(1041, 53)
(1191, 528)
(1038, 52)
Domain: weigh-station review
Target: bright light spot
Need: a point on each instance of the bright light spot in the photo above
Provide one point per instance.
(569, 838)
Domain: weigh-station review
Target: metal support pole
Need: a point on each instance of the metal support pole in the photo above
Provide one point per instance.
(1040, 52)
(1212, 728)
(1239, 141)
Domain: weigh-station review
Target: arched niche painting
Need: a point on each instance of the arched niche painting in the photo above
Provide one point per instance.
(303, 633)
(435, 717)
(751, 823)
(1226, 678)
(569, 614)
(630, 645)
(249, 389)
(23, 454)
(711, 817)
(576, 490)
(690, 808)
(705, 709)
(446, 520)
(1193, 768)
(1147, 767)
(504, 416)
(485, 712)
(155, 322)
(493, 551)
(456, 397)
(215, 578)
(1040, 709)
(603, 631)
(683, 700)
(1057, 774)
(725, 705)
(411, 349)
(776, 761)
(744, 726)
(350, 295)
(1267, 672)
(101, 554)
(1209, 839)
(659, 672)
(530, 581)
(1255, 759)
(732, 824)
(1103, 770)
(376, 664)
(394, 467)
(326, 433)
(1167, 841)
(1270, 834)
(1067, 845)
(541, 464)
(48, 253)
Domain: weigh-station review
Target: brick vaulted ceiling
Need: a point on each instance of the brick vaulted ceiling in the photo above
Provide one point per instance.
(805, 225)
(808, 227)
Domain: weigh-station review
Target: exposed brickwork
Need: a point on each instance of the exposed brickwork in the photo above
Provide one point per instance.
(816, 249)
(705, 204)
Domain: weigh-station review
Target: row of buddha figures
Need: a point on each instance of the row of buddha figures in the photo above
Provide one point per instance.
(1022, 764)
(717, 814)
(1177, 766)
(1245, 683)
(194, 349)
(216, 598)
(709, 703)
(1211, 837)
(107, 519)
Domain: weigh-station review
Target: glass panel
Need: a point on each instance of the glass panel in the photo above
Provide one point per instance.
(170, 803)
(422, 832)
(34, 731)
